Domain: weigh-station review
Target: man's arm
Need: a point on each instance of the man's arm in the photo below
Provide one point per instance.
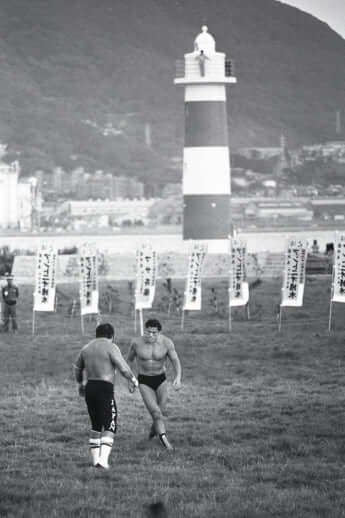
(173, 357)
(132, 352)
(119, 362)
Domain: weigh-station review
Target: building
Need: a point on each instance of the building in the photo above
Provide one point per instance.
(19, 200)
(8, 195)
(268, 210)
(105, 212)
(328, 209)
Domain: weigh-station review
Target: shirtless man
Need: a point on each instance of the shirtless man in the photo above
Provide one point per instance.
(98, 361)
(151, 352)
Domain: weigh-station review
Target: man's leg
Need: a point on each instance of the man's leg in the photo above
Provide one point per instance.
(6, 317)
(95, 446)
(162, 400)
(96, 421)
(162, 396)
(107, 438)
(151, 403)
(13, 313)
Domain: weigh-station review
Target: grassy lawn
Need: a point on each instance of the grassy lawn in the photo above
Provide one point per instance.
(258, 426)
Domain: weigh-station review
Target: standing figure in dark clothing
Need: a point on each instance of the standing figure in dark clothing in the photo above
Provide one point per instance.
(201, 57)
(10, 295)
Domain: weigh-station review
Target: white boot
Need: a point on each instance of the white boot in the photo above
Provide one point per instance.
(95, 446)
(106, 447)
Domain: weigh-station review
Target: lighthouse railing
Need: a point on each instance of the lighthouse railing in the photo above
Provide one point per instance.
(192, 68)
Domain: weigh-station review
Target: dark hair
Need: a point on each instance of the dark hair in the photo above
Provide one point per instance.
(105, 331)
(153, 322)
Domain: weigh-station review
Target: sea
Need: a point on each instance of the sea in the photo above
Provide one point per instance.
(118, 243)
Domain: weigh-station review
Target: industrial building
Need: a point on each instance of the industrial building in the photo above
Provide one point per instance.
(20, 202)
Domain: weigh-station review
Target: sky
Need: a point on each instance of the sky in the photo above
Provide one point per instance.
(330, 11)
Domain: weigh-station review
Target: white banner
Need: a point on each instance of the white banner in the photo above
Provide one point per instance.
(238, 285)
(88, 268)
(339, 269)
(192, 294)
(45, 285)
(146, 273)
(294, 272)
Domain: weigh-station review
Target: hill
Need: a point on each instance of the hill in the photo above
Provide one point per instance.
(70, 69)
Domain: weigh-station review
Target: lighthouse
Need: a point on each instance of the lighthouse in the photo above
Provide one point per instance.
(204, 74)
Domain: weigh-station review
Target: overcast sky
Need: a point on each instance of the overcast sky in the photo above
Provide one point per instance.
(329, 11)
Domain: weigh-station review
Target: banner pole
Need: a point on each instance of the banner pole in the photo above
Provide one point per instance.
(135, 319)
(248, 311)
(182, 319)
(280, 318)
(33, 322)
(82, 323)
(141, 322)
(330, 316)
(33, 314)
(229, 316)
(332, 291)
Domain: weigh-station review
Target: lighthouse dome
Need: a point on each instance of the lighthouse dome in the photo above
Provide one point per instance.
(205, 41)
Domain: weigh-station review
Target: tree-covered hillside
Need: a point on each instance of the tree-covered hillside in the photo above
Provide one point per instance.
(70, 69)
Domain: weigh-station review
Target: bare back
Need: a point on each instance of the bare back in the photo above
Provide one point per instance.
(98, 358)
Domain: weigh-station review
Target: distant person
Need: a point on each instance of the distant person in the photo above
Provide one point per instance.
(10, 296)
(201, 57)
(214, 299)
(98, 361)
(151, 352)
(315, 247)
(168, 284)
(177, 300)
(329, 249)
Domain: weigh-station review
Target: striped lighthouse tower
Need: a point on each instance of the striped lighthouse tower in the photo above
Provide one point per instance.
(204, 74)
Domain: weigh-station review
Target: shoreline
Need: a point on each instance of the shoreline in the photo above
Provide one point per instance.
(170, 230)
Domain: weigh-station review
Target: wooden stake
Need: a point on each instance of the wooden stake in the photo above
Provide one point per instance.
(33, 322)
(330, 316)
(82, 323)
(332, 293)
(33, 315)
(182, 319)
(280, 318)
(141, 322)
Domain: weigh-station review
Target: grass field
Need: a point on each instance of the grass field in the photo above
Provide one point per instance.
(258, 426)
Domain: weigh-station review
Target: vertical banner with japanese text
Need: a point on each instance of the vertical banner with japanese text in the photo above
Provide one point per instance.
(192, 295)
(338, 292)
(146, 272)
(88, 269)
(45, 285)
(238, 285)
(294, 272)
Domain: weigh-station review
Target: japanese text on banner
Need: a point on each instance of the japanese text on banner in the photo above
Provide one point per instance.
(45, 286)
(192, 296)
(238, 285)
(89, 293)
(146, 272)
(294, 272)
(339, 269)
